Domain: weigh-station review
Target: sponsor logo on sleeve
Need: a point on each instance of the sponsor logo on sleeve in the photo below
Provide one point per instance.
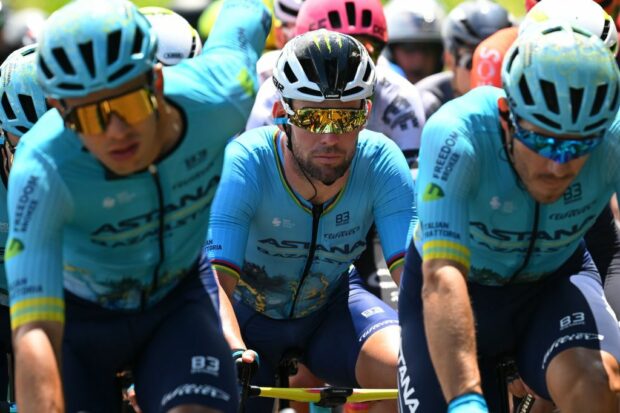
(433, 192)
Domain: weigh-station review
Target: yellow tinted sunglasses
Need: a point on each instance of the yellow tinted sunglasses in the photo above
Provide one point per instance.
(92, 119)
(332, 120)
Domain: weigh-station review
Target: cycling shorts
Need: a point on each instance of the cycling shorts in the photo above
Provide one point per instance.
(328, 340)
(531, 322)
(175, 349)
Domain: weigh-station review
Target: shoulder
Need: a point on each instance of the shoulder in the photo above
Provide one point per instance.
(258, 141)
(371, 144)
(436, 83)
(49, 142)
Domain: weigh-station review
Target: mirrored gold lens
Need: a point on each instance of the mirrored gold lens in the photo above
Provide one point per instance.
(322, 121)
(92, 119)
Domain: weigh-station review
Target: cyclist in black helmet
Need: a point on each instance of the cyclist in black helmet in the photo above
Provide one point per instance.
(465, 26)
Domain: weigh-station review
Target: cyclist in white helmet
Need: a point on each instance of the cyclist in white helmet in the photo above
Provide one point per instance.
(314, 182)
(23, 103)
(397, 110)
(177, 39)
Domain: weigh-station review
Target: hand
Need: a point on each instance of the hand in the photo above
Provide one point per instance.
(130, 396)
(247, 362)
(468, 403)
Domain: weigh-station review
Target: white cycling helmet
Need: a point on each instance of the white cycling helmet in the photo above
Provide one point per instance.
(286, 10)
(586, 14)
(177, 39)
(324, 65)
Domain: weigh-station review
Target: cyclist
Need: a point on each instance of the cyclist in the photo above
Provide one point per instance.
(23, 104)
(311, 187)
(397, 110)
(176, 38)
(463, 29)
(508, 185)
(109, 197)
(414, 37)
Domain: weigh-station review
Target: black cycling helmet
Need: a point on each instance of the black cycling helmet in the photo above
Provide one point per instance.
(323, 65)
(471, 22)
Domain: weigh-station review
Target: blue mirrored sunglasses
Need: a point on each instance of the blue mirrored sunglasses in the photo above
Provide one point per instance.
(557, 149)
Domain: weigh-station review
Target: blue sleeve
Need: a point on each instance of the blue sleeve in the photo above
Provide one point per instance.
(446, 175)
(39, 205)
(233, 209)
(225, 73)
(394, 203)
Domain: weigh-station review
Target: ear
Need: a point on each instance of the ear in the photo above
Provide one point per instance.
(504, 113)
(448, 59)
(158, 78)
(368, 106)
(278, 112)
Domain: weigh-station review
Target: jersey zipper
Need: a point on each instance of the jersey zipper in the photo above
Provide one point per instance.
(317, 210)
(530, 247)
(162, 251)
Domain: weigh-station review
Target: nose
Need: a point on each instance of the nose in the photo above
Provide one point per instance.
(559, 170)
(330, 139)
(117, 128)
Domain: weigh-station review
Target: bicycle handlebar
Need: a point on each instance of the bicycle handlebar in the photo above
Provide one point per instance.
(324, 395)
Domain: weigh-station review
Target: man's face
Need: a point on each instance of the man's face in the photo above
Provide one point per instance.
(418, 60)
(546, 180)
(324, 156)
(122, 146)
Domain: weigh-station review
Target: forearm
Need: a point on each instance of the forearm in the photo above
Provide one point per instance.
(230, 325)
(450, 332)
(38, 383)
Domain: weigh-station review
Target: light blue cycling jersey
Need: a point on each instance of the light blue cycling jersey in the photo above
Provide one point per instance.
(474, 210)
(4, 232)
(289, 254)
(72, 220)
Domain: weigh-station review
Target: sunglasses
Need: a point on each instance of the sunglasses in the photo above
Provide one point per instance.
(557, 149)
(93, 118)
(322, 121)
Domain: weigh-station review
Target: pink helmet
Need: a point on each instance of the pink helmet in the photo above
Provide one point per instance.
(352, 17)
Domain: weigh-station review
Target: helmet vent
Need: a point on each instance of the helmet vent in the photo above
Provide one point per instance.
(43, 66)
(367, 73)
(114, 45)
(6, 106)
(596, 125)
(334, 19)
(469, 29)
(63, 60)
(288, 72)
(599, 98)
(552, 30)
(137, 41)
(511, 60)
(86, 49)
(366, 18)
(28, 106)
(606, 29)
(350, 7)
(525, 91)
(352, 91)
(614, 101)
(308, 91)
(28, 51)
(547, 121)
(576, 98)
(550, 95)
(22, 129)
(120, 72)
